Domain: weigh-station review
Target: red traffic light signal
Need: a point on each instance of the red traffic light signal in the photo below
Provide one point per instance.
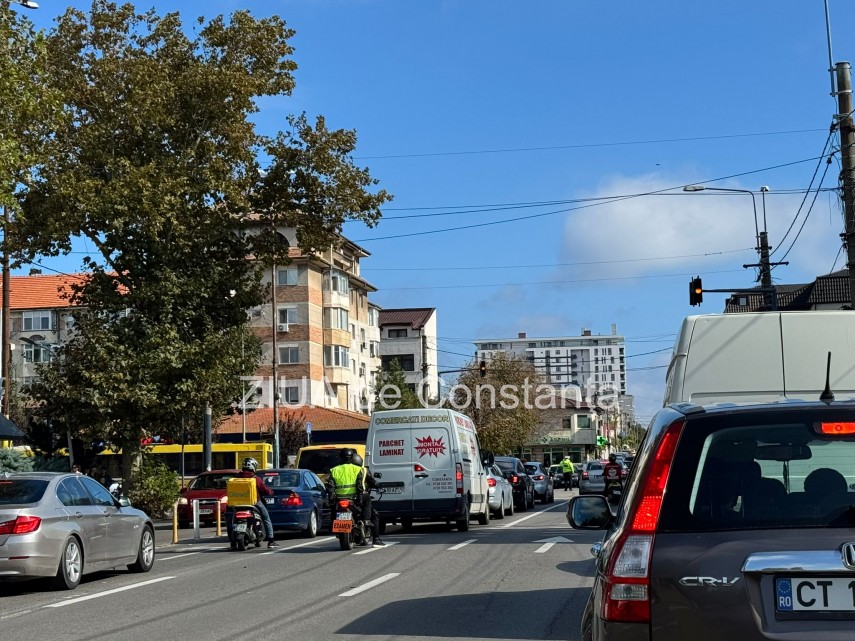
(696, 291)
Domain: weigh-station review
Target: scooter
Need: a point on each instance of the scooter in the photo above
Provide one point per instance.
(245, 527)
(350, 525)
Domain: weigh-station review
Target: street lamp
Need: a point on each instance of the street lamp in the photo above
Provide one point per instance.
(27, 4)
(761, 238)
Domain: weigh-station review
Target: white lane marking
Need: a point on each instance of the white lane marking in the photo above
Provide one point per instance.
(300, 545)
(543, 548)
(177, 556)
(16, 614)
(62, 604)
(460, 545)
(370, 584)
(530, 516)
(389, 544)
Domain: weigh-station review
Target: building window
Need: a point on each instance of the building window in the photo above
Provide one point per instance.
(567, 423)
(287, 276)
(372, 317)
(40, 353)
(336, 281)
(287, 315)
(289, 354)
(406, 361)
(36, 321)
(362, 369)
(583, 421)
(374, 349)
(397, 333)
(336, 318)
(336, 356)
(291, 395)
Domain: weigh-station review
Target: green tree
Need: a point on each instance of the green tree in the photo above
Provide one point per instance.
(158, 167)
(13, 461)
(292, 434)
(502, 404)
(391, 390)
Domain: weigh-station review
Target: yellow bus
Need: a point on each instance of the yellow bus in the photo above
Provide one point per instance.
(224, 456)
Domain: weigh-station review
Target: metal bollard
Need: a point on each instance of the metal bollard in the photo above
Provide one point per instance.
(175, 522)
(196, 534)
(219, 519)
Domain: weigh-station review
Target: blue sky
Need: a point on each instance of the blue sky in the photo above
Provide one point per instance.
(467, 107)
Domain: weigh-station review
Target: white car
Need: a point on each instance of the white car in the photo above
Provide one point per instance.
(500, 493)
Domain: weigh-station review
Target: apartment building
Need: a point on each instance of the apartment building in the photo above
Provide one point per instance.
(325, 331)
(591, 362)
(322, 329)
(39, 320)
(408, 335)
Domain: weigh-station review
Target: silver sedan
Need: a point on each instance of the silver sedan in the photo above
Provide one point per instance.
(67, 525)
(500, 493)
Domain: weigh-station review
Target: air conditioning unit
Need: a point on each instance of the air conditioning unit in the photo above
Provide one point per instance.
(282, 327)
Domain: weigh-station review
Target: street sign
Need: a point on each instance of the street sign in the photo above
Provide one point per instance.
(308, 428)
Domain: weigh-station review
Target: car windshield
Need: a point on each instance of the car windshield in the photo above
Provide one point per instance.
(288, 478)
(21, 491)
(211, 481)
(319, 461)
(781, 475)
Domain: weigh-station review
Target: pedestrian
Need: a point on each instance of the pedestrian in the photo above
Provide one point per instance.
(567, 469)
(75, 469)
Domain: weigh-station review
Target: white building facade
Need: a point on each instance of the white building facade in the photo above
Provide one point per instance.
(409, 336)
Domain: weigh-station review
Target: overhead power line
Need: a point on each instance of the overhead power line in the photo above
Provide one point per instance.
(625, 143)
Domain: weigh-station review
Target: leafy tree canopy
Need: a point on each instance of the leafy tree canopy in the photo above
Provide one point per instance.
(391, 389)
(156, 163)
(502, 403)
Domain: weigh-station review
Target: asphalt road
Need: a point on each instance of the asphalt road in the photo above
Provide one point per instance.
(524, 577)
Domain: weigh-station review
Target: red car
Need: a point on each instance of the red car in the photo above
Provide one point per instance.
(210, 489)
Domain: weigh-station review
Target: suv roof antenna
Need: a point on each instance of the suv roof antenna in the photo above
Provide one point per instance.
(827, 395)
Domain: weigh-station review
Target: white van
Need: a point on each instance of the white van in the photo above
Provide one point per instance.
(430, 465)
(762, 357)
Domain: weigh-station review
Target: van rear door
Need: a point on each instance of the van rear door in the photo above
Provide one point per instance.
(434, 473)
(391, 465)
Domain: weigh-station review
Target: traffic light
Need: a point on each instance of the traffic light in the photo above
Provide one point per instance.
(483, 368)
(696, 291)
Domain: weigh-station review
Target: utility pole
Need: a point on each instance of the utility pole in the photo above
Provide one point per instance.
(847, 173)
(5, 344)
(275, 366)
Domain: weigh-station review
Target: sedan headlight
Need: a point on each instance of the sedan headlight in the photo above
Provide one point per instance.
(182, 501)
(224, 500)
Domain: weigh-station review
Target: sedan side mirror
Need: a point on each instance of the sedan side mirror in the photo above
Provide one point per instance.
(125, 501)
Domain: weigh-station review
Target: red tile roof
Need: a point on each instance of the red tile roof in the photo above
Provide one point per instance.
(321, 418)
(416, 317)
(41, 291)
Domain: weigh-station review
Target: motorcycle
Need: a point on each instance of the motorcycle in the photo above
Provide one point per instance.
(614, 490)
(351, 526)
(245, 527)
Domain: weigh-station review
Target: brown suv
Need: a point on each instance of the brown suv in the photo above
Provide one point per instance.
(738, 522)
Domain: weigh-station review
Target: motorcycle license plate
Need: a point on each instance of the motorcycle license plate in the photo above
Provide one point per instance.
(343, 522)
(240, 527)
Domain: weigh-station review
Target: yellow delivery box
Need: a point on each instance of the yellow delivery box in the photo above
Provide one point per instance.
(241, 491)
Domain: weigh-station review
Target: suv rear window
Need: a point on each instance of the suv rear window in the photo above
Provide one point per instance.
(760, 470)
(21, 491)
(510, 466)
(319, 461)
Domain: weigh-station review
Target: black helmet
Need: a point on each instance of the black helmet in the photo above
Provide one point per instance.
(357, 460)
(249, 464)
(345, 455)
(612, 458)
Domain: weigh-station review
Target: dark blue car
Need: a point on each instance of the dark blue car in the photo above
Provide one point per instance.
(299, 502)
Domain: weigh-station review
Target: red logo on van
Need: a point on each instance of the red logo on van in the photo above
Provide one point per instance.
(430, 446)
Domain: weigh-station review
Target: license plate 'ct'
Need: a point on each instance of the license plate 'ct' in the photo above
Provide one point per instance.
(809, 594)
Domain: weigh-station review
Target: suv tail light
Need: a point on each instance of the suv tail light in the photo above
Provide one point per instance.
(627, 590)
(459, 477)
(585, 475)
(491, 482)
(539, 477)
(20, 525)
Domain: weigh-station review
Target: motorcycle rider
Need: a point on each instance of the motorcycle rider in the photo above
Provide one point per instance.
(369, 511)
(612, 472)
(347, 480)
(247, 470)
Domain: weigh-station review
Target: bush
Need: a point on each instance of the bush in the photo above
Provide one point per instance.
(52, 464)
(12, 461)
(155, 489)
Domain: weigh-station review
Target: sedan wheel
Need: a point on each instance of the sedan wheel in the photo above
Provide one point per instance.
(312, 530)
(500, 513)
(70, 566)
(510, 510)
(145, 555)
